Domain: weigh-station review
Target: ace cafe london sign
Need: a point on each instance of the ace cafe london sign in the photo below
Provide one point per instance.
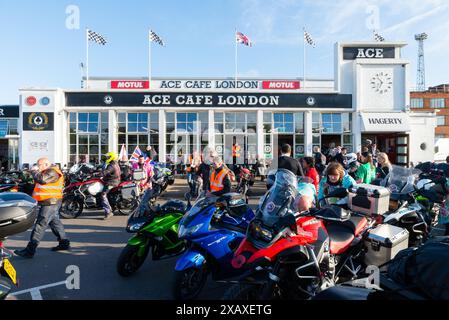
(206, 84)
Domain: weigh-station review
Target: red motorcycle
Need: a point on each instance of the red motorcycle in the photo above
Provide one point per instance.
(84, 191)
(296, 255)
(246, 180)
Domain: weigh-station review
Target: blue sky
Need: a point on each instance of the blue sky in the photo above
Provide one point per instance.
(37, 48)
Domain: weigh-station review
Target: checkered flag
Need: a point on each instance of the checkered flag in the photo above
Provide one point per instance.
(93, 36)
(155, 38)
(308, 39)
(378, 37)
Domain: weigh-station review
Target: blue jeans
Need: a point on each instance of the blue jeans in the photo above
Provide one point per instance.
(105, 201)
(48, 216)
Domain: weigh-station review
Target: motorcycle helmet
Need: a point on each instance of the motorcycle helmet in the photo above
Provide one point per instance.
(111, 156)
(351, 158)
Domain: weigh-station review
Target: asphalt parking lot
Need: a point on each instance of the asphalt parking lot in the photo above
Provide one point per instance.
(96, 246)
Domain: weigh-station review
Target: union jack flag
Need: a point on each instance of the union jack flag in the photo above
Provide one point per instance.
(136, 154)
(241, 38)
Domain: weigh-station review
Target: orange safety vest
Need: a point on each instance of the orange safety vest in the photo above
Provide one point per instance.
(216, 180)
(236, 151)
(47, 191)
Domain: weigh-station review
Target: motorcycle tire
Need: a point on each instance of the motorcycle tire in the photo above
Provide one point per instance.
(71, 208)
(129, 261)
(5, 287)
(183, 288)
(126, 207)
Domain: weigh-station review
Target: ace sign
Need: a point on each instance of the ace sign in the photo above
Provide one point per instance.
(352, 53)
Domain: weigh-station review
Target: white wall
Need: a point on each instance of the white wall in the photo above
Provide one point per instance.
(36, 144)
(422, 131)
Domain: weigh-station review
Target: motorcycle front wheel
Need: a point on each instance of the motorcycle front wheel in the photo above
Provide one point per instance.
(129, 260)
(71, 208)
(189, 283)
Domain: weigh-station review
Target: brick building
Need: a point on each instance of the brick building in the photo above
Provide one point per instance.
(434, 99)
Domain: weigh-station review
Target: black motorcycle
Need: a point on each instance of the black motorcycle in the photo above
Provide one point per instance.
(18, 212)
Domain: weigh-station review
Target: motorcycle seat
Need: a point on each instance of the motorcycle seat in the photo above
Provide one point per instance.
(356, 224)
(341, 237)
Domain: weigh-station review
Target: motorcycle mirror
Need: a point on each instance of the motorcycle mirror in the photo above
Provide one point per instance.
(338, 193)
(5, 288)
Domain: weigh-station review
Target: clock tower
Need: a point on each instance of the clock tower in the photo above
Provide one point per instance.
(376, 75)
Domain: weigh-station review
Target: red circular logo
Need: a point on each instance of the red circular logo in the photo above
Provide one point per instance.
(31, 101)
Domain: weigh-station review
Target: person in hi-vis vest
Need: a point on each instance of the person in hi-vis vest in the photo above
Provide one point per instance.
(48, 192)
(220, 183)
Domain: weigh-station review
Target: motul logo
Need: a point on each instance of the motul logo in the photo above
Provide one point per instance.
(285, 85)
(130, 84)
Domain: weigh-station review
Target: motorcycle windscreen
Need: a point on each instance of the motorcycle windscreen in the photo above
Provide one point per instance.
(280, 198)
(400, 179)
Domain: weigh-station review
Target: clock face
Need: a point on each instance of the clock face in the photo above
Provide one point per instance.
(382, 82)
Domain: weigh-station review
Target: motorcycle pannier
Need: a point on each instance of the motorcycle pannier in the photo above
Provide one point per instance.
(369, 199)
(138, 175)
(18, 213)
(129, 191)
(383, 243)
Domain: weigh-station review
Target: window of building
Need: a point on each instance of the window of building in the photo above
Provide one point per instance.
(441, 121)
(332, 129)
(416, 103)
(138, 130)
(240, 127)
(437, 103)
(332, 123)
(8, 127)
(88, 136)
(186, 133)
(288, 128)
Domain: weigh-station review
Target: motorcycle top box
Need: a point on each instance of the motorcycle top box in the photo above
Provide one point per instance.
(18, 212)
(369, 199)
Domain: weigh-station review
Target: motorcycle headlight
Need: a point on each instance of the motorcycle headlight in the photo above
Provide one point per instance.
(258, 232)
(185, 232)
(135, 227)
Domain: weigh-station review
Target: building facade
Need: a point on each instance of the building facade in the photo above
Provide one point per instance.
(434, 99)
(367, 99)
(9, 136)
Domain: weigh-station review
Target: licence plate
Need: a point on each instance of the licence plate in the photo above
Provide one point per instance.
(10, 271)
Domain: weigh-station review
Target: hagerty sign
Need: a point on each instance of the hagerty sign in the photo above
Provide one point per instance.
(162, 99)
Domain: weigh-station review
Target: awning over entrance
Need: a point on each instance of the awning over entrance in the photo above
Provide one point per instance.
(385, 122)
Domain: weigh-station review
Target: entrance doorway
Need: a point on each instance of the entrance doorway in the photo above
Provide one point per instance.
(329, 142)
(4, 154)
(239, 143)
(284, 139)
(395, 145)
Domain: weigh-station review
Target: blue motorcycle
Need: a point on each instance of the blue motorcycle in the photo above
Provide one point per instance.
(213, 229)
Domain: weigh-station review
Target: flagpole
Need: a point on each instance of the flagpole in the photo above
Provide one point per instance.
(149, 59)
(236, 63)
(87, 58)
(304, 57)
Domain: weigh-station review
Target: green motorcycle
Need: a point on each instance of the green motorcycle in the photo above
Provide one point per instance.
(155, 228)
